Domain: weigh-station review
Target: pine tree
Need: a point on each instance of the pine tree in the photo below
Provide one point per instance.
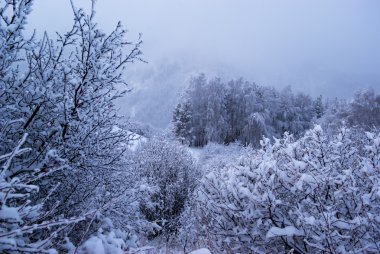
(318, 107)
(182, 122)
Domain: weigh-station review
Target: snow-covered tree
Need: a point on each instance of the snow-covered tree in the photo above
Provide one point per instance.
(182, 122)
(62, 92)
(216, 122)
(234, 110)
(364, 109)
(319, 107)
(198, 100)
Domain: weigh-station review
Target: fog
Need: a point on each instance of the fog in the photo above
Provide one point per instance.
(318, 47)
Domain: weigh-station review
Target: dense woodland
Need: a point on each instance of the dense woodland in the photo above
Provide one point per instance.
(240, 111)
(225, 112)
(278, 171)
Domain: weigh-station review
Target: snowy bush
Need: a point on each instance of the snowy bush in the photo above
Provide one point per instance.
(22, 220)
(319, 194)
(170, 171)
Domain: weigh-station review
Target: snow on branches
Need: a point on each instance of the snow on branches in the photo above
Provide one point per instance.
(61, 91)
(319, 194)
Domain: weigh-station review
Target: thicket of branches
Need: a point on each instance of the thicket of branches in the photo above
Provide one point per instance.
(318, 194)
(60, 91)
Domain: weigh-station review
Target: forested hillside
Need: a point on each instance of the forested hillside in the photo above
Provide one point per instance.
(225, 112)
(211, 110)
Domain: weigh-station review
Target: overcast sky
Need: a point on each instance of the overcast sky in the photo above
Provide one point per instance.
(329, 47)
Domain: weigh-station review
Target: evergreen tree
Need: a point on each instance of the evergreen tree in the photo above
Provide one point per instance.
(182, 122)
(318, 107)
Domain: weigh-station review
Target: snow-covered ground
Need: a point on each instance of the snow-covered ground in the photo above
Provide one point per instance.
(196, 152)
(164, 250)
(201, 251)
(136, 139)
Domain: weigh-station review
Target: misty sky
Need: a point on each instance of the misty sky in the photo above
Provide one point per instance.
(329, 47)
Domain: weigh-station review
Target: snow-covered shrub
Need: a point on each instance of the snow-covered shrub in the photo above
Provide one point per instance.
(319, 194)
(169, 169)
(22, 221)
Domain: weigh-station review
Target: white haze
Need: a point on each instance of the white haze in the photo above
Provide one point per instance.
(318, 47)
